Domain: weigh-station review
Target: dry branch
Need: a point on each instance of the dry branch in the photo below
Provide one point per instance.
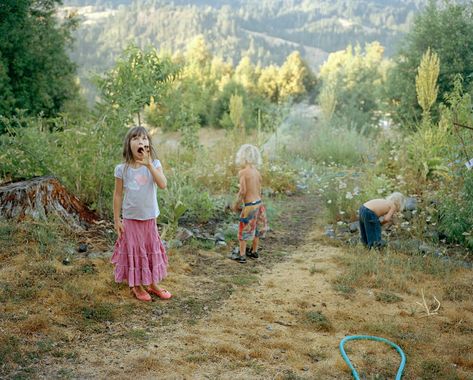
(427, 308)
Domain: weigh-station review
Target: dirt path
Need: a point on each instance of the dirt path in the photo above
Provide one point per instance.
(259, 328)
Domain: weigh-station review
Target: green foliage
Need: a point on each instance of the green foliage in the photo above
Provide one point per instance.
(447, 29)
(319, 321)
(328, 142)
(295, 77)
(136, 77)
(81, 156)
(185, 197)
(36, 74)
(352, 81)
(341, 195)
(456, 211)
(426, 82)
(98, 312)
(224, 25)
(427, 150)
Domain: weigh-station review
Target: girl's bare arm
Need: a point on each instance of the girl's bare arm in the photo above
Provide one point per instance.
(117, 205)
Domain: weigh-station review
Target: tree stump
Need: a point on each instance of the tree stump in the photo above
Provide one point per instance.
(41, 197)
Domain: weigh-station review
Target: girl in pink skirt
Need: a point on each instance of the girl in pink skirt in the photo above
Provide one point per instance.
(139, 255)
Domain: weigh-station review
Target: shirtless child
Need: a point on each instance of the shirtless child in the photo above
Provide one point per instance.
(253, 222)
(370, 214)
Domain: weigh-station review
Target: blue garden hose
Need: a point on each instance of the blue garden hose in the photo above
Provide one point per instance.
(378, 339)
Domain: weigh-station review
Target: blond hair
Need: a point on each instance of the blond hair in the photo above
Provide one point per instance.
(398, 199)
(248, 154)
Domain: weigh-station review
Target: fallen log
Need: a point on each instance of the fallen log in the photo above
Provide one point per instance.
(41, 197)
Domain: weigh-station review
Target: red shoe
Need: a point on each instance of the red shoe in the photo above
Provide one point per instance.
(140, 294)
(161, 293)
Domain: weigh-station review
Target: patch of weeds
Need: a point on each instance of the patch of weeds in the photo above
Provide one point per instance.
(98, 312)
(244, 280)
(10, 350)
(458, 292)
(138, 335)
(313, 270)
(65, 373)
(7, 239)
(343, 288)
(192, 306)
(196, 358)
(316, 356)
(44, 269)
(279, 254)
(387, 297)
(6, 292)
(290, 375)
(25, 293)
(71, 355)
(88, 268)
(44, 346)
(434, 369)
(45, 236)
(205, 244)
(320, 321)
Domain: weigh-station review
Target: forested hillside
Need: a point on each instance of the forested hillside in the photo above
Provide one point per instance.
(265, 31)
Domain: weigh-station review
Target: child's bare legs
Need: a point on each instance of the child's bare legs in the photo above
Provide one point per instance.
(254, 246)
(242, 247)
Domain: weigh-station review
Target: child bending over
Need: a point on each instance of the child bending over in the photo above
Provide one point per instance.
(253, 222)
(370, 214)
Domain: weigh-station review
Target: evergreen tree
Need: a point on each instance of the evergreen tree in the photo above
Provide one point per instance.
(36, 74)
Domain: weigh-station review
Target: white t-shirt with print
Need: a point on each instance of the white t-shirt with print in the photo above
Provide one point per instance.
(140, 201)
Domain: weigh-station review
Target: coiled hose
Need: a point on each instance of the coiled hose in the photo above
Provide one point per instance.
(375, 338)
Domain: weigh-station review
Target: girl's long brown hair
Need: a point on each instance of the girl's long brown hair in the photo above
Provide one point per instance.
(133, 132)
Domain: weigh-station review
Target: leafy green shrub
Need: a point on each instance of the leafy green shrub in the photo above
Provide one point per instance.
(456, 212)
(185, 197)
(81, 156)
(319, 321)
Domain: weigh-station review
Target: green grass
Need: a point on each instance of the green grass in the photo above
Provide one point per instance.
(98, 312)
(244, 280)
(319, 321)
(387, 297)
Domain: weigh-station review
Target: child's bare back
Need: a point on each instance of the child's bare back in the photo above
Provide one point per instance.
(250, 184)
(380, 206)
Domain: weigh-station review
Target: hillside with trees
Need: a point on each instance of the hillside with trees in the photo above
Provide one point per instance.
(265, 31)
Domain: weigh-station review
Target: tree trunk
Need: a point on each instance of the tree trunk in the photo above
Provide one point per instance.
(41, 197)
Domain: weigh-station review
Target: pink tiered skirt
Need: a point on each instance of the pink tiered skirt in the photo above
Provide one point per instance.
(139, 255)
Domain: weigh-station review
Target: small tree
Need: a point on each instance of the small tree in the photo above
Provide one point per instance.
(328, 101)
(426, 83)
(137, 77)
(236, 116)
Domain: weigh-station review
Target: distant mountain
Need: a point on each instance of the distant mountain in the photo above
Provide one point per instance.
(265, 30)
